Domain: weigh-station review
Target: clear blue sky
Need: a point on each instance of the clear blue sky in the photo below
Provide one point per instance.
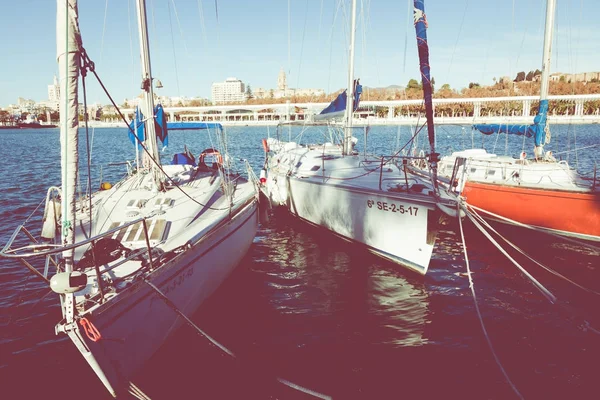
(470, 41)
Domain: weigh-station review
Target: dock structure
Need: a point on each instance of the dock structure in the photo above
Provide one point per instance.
(564, 109)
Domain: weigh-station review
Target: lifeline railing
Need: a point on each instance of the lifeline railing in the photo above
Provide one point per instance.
(48, 250)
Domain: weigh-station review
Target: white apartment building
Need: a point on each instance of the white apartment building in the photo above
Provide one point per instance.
(231, 90)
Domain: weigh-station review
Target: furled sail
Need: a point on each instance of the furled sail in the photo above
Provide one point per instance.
(420, 21)
(337, 108)
(538, 130)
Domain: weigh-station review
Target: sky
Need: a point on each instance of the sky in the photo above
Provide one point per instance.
(197, 42)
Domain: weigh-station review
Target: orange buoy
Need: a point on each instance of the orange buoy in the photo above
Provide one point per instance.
(265, 145)
(105, 186)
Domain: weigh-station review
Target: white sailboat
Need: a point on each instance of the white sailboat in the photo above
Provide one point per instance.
(368, 200)
(130, 258)
(528, 190)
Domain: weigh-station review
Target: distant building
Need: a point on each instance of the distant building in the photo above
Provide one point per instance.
(282, 81)
(581, 77)
(54, 93)
(232, 90)
(284, 91)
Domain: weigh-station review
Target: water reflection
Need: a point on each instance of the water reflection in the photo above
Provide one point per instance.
(308, 271)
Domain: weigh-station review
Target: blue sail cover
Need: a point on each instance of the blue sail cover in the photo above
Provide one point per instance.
(337, 107)
(420, 21)
(160, 124)
(138, 122)
(537, 130)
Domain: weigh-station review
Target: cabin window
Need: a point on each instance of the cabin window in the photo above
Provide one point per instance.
(298, 164)
(315, 168)
(163, 202)
(473, 170)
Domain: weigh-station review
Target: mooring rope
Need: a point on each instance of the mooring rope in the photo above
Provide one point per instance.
(550, 270)
(519, 224)
(549, 296)
(225, 349)
(137, 392)
(485, 333)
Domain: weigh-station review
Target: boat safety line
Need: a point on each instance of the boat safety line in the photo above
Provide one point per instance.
(549, 296)
(519, 224)
(550, 270)
(485, 333)
(225, 349)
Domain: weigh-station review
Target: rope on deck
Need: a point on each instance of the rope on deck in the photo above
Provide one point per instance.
(487, 338)
(225, 349)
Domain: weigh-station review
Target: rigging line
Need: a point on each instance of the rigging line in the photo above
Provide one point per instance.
(103, 31)
(320, 22)
(217, 11)
(202, 24)
(180, 28)
(289, 36)
(549, 296)
(483, 328)
(174, 52)
(408, 24)
(220, 346)
(517, 248)
(337, 9)
(130, 42)
(576, 149)
(458, 36)
(146, 149)
(156, 41)
(302, 45)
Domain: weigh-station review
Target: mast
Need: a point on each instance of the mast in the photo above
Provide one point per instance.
(420, 21)
(347, 149)
(540, 119)
(68, 43)
(148, 100)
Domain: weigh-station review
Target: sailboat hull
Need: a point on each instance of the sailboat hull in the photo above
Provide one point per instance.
(136, 323)
(398, 228)
(575, 214)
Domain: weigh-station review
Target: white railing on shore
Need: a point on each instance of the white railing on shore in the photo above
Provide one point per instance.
(585, 109)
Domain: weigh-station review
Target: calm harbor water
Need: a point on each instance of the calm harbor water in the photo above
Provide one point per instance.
(311, 309)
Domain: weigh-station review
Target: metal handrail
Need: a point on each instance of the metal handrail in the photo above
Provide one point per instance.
(55, 248)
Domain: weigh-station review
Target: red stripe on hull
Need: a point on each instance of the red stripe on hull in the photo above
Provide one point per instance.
(566, 211)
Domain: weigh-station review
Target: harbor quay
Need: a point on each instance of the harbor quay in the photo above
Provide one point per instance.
(564, 109)
(567, 109)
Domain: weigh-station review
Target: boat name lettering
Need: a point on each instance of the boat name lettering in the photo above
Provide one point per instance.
(178, 280)
(391, 207)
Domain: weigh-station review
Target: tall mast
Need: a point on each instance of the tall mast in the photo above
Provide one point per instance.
(420, 21)
(68, 43)
(350, 91)
(148, 100)
(540, 136)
